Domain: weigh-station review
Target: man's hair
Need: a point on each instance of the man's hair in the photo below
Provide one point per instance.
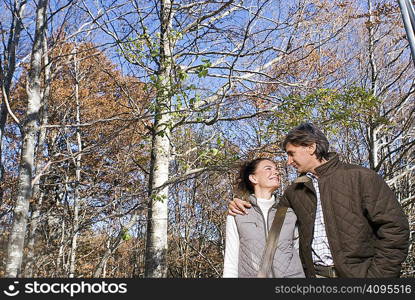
(306, 134)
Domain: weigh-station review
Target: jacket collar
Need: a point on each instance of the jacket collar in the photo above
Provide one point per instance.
(302, 179)
(328, 167)
(325, 169)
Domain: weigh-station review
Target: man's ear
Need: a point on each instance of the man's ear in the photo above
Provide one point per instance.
(312, 148)
(252, 178)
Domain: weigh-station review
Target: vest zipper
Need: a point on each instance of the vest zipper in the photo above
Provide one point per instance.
(272, 264)
(263, 219)
(266, 229)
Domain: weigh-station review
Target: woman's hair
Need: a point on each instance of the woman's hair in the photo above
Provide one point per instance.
(247, 168)
(305, 135)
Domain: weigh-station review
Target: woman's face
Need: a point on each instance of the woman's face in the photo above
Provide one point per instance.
(266, 175)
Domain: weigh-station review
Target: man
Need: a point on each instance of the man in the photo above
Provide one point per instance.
(350, 223)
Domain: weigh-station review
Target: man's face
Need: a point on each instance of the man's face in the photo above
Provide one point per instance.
(301, 157)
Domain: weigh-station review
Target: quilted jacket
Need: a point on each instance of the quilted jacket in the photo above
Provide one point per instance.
(253, 235)
(367, 230)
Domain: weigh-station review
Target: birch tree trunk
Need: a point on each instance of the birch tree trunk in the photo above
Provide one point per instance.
(60, 259)
(77, 161)
(30, 130)
(156, 242)
(8, 71)
(373, 128)
(40, 162)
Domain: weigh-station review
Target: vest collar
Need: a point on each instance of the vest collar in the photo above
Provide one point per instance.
(253, 200)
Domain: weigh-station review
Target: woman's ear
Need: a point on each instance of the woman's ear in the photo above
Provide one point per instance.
(252, 178)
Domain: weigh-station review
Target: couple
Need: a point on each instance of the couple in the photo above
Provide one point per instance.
(349, 221)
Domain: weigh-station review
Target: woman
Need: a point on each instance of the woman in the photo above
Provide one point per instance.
(246, 234)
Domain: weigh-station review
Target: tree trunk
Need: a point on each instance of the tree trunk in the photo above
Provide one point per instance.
(75, 227)
(60, 259)
(156, 242)
(30, 130)
(374, 147)
(37, 194)
(374, 128)
(7, 74)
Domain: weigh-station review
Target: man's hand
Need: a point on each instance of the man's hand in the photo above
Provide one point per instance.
(238, 207)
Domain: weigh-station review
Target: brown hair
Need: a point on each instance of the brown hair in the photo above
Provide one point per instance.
(306, 134)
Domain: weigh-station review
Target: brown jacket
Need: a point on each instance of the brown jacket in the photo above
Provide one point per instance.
(368, 232)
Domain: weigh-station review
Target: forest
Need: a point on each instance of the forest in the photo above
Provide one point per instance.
(123, 123)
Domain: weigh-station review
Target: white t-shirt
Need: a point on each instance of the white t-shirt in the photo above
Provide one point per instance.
(230, 265)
